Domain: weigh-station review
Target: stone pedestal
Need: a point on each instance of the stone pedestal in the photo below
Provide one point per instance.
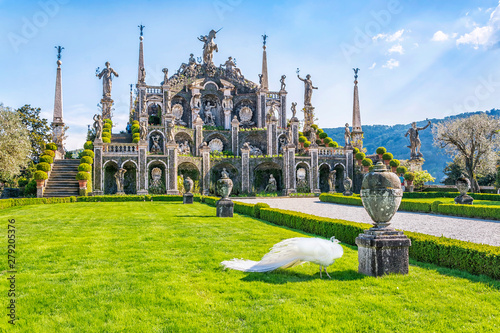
(225, 208)
(382, 252)
(415, 164)
(187, 198)
(464, 199)
(39, 191)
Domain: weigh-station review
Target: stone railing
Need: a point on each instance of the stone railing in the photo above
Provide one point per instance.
(273, 95)
(120, 148)
(331, 151)
(154, 90)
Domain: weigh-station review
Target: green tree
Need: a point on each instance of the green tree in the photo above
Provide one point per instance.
(38, 129)
(14, 144)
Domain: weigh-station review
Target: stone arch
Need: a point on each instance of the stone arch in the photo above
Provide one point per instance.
(181, 137)
(324, 174)
(255, 139)
(130, 178)
(154, 112)
(220, 137)
(161, 142)
(213, 99)
(303, 177)
(261, 175)
(212, 83)
(109, 169)
(185, 118)
(341, 174)
(282, 141)
(216, 174)
(161, 187)
(246, 103)
(188, 169)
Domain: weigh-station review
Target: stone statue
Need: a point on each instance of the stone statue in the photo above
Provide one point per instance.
(209, 46)
(98, 123)
(209, 117)
(231, 69)
(332, 178)
(282, 143)
(224, 173)
(143, 74)
(356, 70)
(308, 89)
(415, 140)
(282, 80)
(170, 132)
(107, 77)
(289, 135)
(196, 101)
(294, 109)
(463, 185)
(120, 180)
(156, 148)
(156, 177)
(271, 186)
(165, 75)
(260, 79)
(347, 135)
(347, 186)
(184, 148)
(143, 130)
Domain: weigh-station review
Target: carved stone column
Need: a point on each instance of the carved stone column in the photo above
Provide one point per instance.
(294, 123)
(313, 151)
(261, 109)
(272, 140)
(235, 127)
(245, 170)
(205, 169)
(172, 168)
(142, 172)
(98, 182)
(198, 139)
(282, 123)
(195, 103)
(289, 169)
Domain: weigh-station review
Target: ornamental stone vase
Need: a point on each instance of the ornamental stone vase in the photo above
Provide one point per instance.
(224, 185)
(347, 186)
(463, 185)
(381, 194)
(188, 184)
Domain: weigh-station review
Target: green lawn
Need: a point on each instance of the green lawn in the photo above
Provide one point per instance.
(155, 267)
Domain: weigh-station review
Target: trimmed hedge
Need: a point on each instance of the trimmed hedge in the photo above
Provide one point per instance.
(239, 207)
(40, 175)
(51, 146)
(43, 166)
(341, 199)
(480, 211)
(7, 203)
(86, 159)
(123, 198)
(85, 167)
(49, 152)
(83, 175)
(87, 152)
(88, 145)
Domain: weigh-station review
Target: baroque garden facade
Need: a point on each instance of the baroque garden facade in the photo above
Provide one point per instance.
(206, 118)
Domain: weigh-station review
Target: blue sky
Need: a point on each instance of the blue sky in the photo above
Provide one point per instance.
(417, 59)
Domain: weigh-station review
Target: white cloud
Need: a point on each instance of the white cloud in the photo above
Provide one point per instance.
(397, 36)
(487, 36)
(373, 66)
(396, 49)
(392, 63)
(440, 36)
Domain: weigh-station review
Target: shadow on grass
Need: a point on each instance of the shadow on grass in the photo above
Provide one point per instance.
(282, 276)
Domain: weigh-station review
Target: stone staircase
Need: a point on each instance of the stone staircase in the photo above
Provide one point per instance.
(62, 181)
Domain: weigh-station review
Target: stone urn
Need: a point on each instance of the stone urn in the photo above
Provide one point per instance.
(381, 195)
(347, 186)
(224, 185)
(188, 184)
(463, 185)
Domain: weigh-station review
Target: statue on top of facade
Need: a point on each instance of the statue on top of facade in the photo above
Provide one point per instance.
(308, 88)
(98, 126)
(209, 46)
(107, 79)
(294, 110)
(231, 69)
(170, 132)
(143, 130)
(165, 75)
(282, 80)
(347, 135)
(415, 142)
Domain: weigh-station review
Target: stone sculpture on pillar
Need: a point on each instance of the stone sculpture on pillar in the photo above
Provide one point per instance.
(225, 206)
(187, 198)
(120, 180)
(209, 46)
(347, 136)
(381, 249)
(347, 186)
(98, 124)
(415, 142)
(332, 179)
(463, 185)
(107, 79)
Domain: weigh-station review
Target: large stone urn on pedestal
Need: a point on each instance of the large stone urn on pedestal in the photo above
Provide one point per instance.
(381, 249)
(225, 206)
(463, 185)
(187, 198)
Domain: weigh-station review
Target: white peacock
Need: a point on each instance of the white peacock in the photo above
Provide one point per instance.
(292, 252)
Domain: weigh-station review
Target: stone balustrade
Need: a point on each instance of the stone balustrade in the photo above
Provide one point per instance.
(331, 151)
(273, 95)
(120, 148)
(154, 90)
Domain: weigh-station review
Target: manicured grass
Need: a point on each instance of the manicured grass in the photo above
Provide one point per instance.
(155, 267)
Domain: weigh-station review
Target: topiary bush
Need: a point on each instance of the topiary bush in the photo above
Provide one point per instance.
(43, 166)
(394, 163)
(136, 128)
(85, 167)
(355, 151)
(302, 139)
(402, 169)
(367, 162)
(360, 156)
(40, 175)
(88, 145)
(83, 175)
(106, 135)
(134, 140)
(51, 146)
(87, 159)
(49, 152)
(87, 152)
(106, 140)
(46, 159)
(307, 144)
(409, 176)
(318, 141)
(381, 150)
(323, 135)
(387, 157)
(327, 140)
(333, 144)
(257, 207)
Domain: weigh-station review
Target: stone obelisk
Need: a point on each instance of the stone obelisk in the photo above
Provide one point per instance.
(357, 132)
(58, 126)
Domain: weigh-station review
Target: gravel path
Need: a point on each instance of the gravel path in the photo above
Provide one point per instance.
(466, 229)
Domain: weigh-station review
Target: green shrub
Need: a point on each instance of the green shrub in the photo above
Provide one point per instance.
(29, 189)
(355, 151)
(314, 126)
(134, 140)
(108, 121)
(415, 206)
(327, 140)
(23, 181)
(257, 208)
(83, 175)
(387, 157)
(43, 166)
(136, 128)
(107, 126)
(106, 134)
(401, 169)
(46, 159)
(85, 167)
(87, 159)
(106, 140)
(302, 139)
(409, 176)
(7, 203)
(88, 145)
(40, 175)
(367, 162)
(341, 199)
(394, 163)
(87, 152)
(323, 135)
(381, 150)
(360, 156)
(135, 122)
(51, 146)
(435, 205)
(319, 131)
(307, 144)
(49, 152)
(333, 144)
(479, 211)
